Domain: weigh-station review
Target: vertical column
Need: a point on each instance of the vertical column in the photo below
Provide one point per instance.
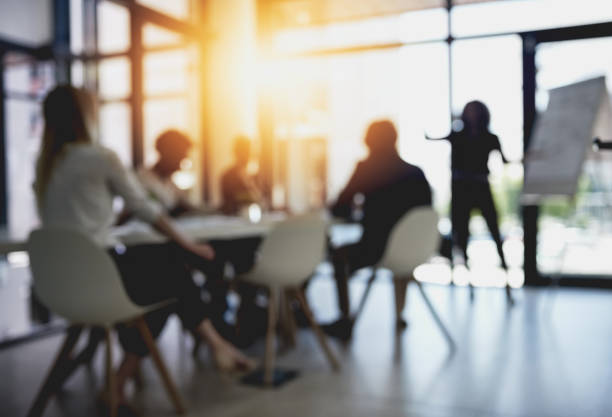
(136, 100)
(265, 106)
(530, 213)
(61, 39)
(231, 79)
(205, 141)
(449, 41)
(90, 43)
(3, 161)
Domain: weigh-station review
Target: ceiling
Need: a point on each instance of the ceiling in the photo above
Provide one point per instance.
(296, 13)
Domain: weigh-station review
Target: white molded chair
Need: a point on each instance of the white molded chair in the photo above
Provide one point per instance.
(288, 257)
(79, 281)
(413, 240)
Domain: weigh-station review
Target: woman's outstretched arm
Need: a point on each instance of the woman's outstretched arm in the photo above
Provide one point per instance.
(442, 138)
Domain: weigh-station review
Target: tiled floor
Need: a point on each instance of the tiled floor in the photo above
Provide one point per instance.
(549, 356)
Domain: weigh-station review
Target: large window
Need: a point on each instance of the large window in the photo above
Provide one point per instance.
(513, 16)
(103, 62)
(360, 72)
(490, 70)
(26, 82)
(336, 98)
(171, 99)
(419, 26)
(574, 236)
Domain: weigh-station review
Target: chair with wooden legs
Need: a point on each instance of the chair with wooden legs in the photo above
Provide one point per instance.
(287, 258)
(79, 281)
(413, 241)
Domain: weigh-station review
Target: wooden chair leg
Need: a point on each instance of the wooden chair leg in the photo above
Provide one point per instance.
(175, 397)
(317, 330)
(286, 320)
(138, 379)
(270, 354)
(57, 373)
(111, 389)
(400, 286)
(96, 336)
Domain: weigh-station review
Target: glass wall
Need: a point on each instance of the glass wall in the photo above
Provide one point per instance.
(102, 62)
(171, 100)
(419, 86)
(334, 99)
(515, 16)
(26, 82)
(575, 236)
(490, 70)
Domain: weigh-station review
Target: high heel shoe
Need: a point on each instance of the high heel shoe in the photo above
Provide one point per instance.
(228, 360)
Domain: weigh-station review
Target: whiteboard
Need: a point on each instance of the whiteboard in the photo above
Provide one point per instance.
(562, 137)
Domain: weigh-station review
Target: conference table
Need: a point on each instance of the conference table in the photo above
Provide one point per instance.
(199, 228)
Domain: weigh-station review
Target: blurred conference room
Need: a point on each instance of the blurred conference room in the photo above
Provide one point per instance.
(254, 127)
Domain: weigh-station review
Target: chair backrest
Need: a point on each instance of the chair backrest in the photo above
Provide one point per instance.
(414, 239)
(292, 250)
(77, 279)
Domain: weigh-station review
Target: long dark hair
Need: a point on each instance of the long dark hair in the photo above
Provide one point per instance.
(483, 117)
(65, 111)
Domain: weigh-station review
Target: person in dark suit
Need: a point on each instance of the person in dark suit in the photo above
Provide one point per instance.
(470, 149)
(388, 187)
(238, 188)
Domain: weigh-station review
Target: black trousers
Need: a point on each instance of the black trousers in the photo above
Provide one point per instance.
(346, 260)
(466, 196)
(153, 273)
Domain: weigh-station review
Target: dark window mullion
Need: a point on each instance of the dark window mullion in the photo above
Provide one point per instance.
(3, 161)
(136, 58)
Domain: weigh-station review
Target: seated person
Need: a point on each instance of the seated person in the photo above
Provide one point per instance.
(173, 148)
(76, 182)
(390, 187)
(238, 188)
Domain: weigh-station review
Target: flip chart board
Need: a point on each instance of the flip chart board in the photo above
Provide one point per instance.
(562, 138)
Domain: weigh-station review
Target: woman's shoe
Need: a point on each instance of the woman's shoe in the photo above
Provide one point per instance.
(229, 360)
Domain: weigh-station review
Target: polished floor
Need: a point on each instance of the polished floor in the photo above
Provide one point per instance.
(549, 355)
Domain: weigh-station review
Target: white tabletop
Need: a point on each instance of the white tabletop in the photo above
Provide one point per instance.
(200, 228)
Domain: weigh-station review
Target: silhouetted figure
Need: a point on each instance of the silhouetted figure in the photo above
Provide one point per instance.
(238, 188)
(76, 183)
(470, 149)
(173, 148)
(389, 187)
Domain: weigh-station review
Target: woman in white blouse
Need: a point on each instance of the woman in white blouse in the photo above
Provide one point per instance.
(76, 182)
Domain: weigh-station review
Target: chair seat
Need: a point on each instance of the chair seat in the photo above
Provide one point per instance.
(79, 281)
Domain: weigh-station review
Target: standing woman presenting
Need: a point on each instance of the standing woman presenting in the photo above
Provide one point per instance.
(76, 182)
(470, 149)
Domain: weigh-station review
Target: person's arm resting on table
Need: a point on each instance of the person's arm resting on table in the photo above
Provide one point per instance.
(126, 186)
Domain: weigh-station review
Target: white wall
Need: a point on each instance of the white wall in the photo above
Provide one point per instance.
(26, 21)
(232, 78)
